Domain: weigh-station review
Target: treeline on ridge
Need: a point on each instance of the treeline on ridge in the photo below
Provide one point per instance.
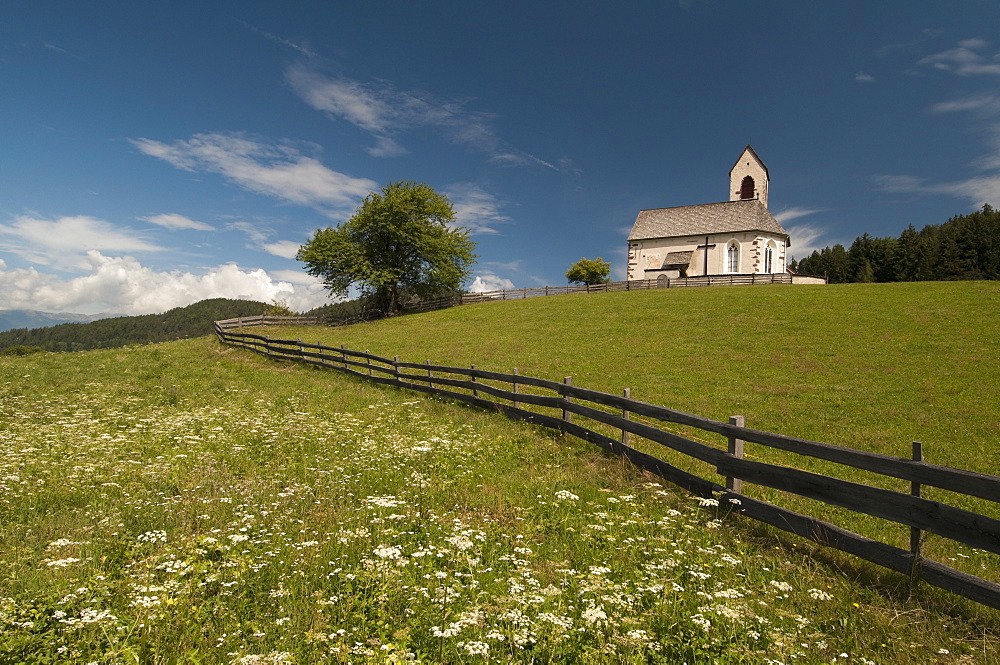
(178, 323)
(966, 247)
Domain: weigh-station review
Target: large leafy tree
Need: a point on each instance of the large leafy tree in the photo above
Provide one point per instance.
(587, 271)
(401, 241)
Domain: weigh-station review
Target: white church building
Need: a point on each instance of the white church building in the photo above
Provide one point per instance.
(734, 237)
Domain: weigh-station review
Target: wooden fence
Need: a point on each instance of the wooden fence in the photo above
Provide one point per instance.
(506, 393)
(639, 285)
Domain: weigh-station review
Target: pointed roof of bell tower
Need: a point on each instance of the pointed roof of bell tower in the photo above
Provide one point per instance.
(749, 178)
(749, 151)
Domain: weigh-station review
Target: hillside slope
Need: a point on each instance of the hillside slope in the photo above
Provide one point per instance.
(178, 323)
(871, 366)
(243, 510)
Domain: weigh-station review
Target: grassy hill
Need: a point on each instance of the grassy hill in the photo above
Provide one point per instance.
(868, 366)
(178, 323)
(189, 502)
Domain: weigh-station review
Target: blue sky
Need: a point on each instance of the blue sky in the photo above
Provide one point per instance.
(156, 154)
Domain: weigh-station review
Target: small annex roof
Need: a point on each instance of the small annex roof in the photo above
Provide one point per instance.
(705, 219)
(674, 259)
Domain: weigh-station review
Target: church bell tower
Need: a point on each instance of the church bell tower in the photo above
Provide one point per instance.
(748, 179)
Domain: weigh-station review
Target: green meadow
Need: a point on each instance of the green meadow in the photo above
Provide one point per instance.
(868, 366)
(189, 502)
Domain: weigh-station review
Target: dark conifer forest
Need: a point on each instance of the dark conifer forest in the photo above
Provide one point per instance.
(966, 247)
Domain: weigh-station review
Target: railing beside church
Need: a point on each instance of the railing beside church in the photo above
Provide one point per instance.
(663, 282)
(555, 404)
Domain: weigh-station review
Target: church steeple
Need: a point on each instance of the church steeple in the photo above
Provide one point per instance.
(748, 179)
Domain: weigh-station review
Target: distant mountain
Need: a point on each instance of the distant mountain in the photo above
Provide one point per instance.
(107, 333)
(29, 318)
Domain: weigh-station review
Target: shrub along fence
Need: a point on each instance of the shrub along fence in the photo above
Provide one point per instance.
(557, 404)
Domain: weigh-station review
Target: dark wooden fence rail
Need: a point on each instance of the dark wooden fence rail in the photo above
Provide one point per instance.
(566, 400)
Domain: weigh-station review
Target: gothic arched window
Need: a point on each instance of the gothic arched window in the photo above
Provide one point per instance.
(733, 257)
(747, 188)
(769, 258)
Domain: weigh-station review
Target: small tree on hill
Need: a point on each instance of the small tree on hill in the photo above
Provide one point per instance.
(586, 271)
(400, 242)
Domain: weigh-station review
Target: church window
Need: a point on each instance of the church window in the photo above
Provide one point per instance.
(733, 257)
(747, 188)
(769, 258)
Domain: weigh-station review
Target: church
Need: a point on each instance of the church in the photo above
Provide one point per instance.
(734, 237)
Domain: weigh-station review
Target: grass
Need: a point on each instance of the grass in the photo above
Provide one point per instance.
(192, 503)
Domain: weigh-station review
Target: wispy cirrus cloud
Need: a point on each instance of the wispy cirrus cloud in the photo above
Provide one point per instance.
(970, 57)
(64, 242)
(384, 111)
(177, 222)
(280, 171)
(789, 214)
(260, 239)
(864, 77)
(977, 190)
(805, 239)
(475, 208)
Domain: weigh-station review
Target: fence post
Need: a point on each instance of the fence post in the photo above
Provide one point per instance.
(430, 375)
(916, 536)
(566, 415)
(302, 351)
(368, 361)
(517, 404)
(475, 393)
(736, 450)
(343, 356)
(395, 368)
(627, 394)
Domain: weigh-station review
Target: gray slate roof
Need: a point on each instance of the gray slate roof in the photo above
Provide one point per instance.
(677, 259)
(704, 219)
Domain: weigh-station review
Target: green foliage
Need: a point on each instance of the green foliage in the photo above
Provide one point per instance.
(181, 322)
(588, 271)
(277, 308)
(868, 366)
(399, 242)
(966, 247)
(190, 503)
(20, 350)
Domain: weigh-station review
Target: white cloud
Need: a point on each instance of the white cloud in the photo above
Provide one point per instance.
(371, 108)
(259, 237)
(489, 282)
(286, 249)
(794, 213)
(804, 240)
(977, 190)
(380, 109)
(279, 171)
(475, 208)
(122, 285)
(966, 59)
(297, 277)
(63, 242)
(177, 222)
(988, 102)
(863, 77)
